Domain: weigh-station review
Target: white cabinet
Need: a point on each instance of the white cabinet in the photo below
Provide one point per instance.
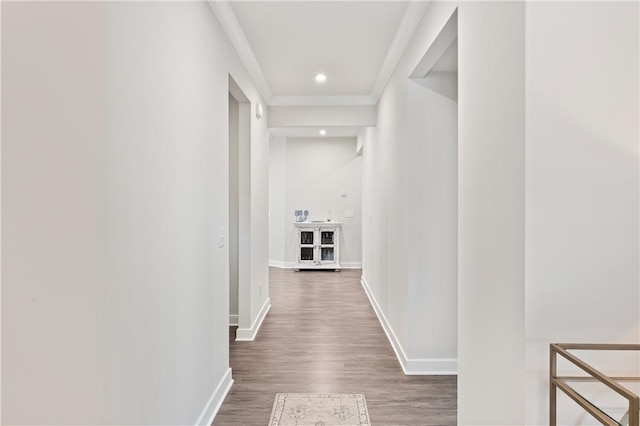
(318, 245)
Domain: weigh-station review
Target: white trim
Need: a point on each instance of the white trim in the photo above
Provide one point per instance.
(233, 319)
(411, 367)
(282, 265)
(249, 334)
(322, 100)
(215, 401)
(224, 13)
(395, 343)
(411, 19)
(229, 22)
(293, 265)
(431, 367)
(277, 264)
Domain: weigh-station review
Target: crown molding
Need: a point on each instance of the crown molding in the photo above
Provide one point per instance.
(321, 100)
(224, 13)
(229, 22)
(312, 131)
(412, 17)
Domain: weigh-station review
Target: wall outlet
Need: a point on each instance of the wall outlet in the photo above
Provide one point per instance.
(349, 213)
(222, 237)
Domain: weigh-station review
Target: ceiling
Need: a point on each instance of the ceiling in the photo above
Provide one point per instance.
(285, 44)
(346, 40)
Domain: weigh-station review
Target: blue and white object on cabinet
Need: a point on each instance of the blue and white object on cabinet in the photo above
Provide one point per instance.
(301, 216)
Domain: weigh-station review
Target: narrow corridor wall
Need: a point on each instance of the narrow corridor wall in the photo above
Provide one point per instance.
(115, 291)
(53, 245)
(399, 191)
(433, 223)
(277, 225)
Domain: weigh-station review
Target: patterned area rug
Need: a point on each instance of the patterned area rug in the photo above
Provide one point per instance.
(318, 409)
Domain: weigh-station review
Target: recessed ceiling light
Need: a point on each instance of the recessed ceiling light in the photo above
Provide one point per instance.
(321, 78)
(323, 132)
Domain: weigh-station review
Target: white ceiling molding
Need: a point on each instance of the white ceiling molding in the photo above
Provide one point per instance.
(313, 132)
(229, 22)
(412, 17)
(321, 100)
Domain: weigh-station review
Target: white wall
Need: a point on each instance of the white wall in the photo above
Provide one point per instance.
(53, 137)
(372, 204)
(491, 212)
(277, 234)
(395, 176)
(582, 187)
(351, 116)
(258, 284)
(234, 204)
(316, 173)
(490, 240)
(581, 167)
(114, 186)
(433, 221)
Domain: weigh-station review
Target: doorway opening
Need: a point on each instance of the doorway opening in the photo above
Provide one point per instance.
(239, 204)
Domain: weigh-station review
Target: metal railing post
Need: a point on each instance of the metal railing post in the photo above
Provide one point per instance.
(593, 374)
(634, 412)
(552, 386)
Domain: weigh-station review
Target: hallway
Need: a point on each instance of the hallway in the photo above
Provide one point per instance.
(322, 336)
(482, 157)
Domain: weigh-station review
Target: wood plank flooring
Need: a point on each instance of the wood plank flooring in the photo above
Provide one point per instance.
(322, 336)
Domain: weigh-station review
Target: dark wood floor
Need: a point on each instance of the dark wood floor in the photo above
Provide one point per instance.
(322, 336)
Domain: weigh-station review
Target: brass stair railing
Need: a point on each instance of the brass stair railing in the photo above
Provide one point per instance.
(631, 418)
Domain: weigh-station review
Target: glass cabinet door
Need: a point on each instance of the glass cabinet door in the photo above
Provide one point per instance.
(307, 247)
(326, 237)
(327, 254)
(327, 245)
(306, 237)
(306, 254)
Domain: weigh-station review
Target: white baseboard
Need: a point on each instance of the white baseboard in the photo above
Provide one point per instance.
(294, 265)
(282, 265)
(233, 319)
(213, 405)
(277, 264)
(417, 367)
(249, 334)
(431, 367)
